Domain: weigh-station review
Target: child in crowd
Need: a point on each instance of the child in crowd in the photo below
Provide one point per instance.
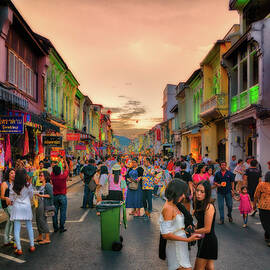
(245, 205)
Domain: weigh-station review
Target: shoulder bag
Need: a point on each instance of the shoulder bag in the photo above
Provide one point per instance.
(133, 185)
(92, 184)
(49, 211)
(162, 248)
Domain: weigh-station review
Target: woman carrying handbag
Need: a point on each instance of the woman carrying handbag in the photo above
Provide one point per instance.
(134, 192)
(45, 207)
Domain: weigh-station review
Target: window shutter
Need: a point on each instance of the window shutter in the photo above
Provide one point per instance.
(23, 78)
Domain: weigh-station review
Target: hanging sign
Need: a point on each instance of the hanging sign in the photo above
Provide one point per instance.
(80, 147)
(11, 124)
(73, 136)
(56, 153)
(53, 141)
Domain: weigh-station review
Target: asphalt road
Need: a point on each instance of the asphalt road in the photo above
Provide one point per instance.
(79, 247)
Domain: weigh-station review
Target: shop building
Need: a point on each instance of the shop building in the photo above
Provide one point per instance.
(214, 106)
(248, 66)
(22, 77)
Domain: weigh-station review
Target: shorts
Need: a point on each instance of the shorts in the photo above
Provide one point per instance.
(251, 193)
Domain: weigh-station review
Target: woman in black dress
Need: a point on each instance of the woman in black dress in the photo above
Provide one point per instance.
(205, 213)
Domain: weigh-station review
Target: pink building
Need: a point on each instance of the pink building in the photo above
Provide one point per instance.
(22, 68)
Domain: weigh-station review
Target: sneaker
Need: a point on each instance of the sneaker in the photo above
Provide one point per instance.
(244, 225)
(230, 219)
(62, 230)
(221, 222)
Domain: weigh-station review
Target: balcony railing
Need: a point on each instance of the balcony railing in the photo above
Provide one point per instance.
(244, 99)
(213, 103)
(183, 125)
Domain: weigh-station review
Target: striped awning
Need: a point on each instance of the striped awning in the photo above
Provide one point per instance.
(8, 96)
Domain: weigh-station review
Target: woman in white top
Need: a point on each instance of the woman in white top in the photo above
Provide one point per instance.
(172, 227)
(239, 171)
(20, 195)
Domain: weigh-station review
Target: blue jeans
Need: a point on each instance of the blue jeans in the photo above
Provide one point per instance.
(17, 231)
(155, 189)
(229, 203)
(8, 227)
(60, 202)
(88, 197)
(147, 200)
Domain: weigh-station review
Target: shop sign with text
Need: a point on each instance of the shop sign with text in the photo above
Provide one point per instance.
(11, 125)
(53, 141)
(80, 147)
(73, 136)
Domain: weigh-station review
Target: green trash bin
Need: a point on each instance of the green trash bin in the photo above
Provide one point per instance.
(110, 224)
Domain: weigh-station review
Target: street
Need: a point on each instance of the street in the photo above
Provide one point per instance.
(79, 247)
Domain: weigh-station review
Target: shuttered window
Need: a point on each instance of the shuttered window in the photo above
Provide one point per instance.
(21, 76)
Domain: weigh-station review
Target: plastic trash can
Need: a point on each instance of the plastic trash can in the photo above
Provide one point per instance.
(110, 224)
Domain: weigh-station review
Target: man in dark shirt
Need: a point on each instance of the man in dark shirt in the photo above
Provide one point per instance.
(59, 181)
(224, 180)
(252, 177)
(47, 163)
(185, 176)
(87, 174)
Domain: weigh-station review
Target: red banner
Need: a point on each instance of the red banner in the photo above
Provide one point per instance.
(80, 147)
(73, 136)
(56, 153)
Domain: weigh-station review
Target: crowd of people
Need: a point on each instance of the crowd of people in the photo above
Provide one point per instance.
(43, 190)
(188, 188)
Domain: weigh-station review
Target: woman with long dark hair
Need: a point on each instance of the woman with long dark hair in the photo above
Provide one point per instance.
(200, 174)
(20, 196)
(205, 213)
(117, 184)
(134, 192)
(103, 185)
(45, 198)
(6, 204)
(172, 227)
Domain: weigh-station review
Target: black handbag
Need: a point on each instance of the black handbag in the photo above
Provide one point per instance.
(162, 248)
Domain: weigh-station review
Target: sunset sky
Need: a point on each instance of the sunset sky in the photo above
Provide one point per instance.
(124, 52)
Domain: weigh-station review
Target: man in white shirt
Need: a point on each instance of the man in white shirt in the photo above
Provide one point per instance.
(206, 159)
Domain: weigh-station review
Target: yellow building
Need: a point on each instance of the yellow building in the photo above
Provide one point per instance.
(214, 107)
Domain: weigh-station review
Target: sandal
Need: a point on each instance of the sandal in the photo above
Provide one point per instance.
(32, 249)
(18, 252)
(38, 240)
(44, 242)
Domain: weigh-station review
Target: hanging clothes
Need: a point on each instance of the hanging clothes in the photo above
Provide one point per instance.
(26, 143)
(8, 149)
(40, 146)
(36, 144)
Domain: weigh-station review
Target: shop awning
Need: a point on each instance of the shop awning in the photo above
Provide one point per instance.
(46, 125)
(8, 96)
(35, 121)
